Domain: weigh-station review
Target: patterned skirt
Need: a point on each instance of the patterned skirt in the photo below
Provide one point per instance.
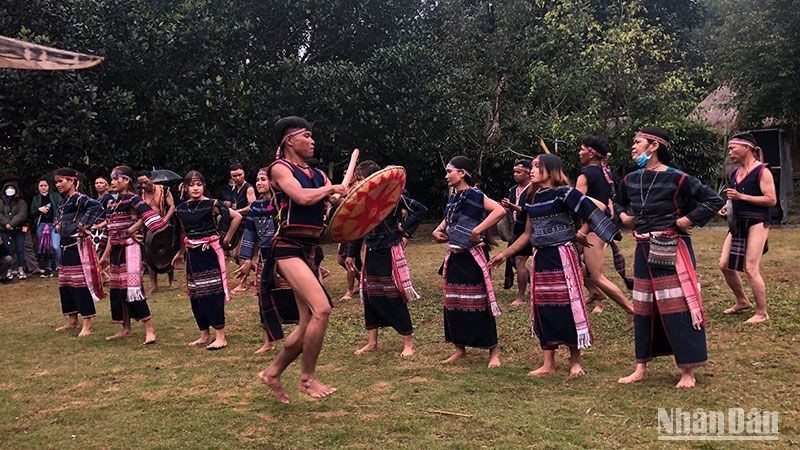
(551, 310)
(72, 288)
(662, 322)
(383, 304)
(118, 289)
(276, 306)
(204, 286)
(468, 319)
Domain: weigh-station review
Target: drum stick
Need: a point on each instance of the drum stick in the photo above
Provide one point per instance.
(543, 146)
(351, 168)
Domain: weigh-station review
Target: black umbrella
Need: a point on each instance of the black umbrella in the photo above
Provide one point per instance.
(164, 176)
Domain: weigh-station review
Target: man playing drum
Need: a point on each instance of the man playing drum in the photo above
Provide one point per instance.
(160, 200)
(300, 193)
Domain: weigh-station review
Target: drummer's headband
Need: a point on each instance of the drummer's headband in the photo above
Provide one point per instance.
(653, 137)
(741, 142)
(120, 175)
(286, 138)
(262, 173)
(452, 167)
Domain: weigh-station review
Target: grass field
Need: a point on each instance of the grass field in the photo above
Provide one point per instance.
(59, 391)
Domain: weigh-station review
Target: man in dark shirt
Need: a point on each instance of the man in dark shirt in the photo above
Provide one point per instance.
(515, 202)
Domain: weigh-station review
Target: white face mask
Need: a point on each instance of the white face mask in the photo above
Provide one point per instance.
(10, 191)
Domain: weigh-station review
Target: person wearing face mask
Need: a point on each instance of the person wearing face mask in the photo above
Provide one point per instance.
(470, 306)
(662, 205)
(43, 212)
(13, 231)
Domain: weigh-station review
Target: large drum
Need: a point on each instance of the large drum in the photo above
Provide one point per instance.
(371, 201)
(160, 248)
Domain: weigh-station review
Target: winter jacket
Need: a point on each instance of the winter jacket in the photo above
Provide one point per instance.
(36, 203)
(14, 212)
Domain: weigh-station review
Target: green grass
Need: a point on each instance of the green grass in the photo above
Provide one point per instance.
(63, 392)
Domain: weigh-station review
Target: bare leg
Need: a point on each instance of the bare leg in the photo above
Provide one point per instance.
(204, 338)
(149, 332)
(458, 355)
(172, 283)
(733, 280)
(86, 330)
(372, 342)
(638, 374)
(757, 237)
(351, 286)
(267, 345)
(153, 280)
(408, 346)
(219, 342)
(72, 323)
(243, 285)
(126, 326)
(271, 376)
(687, 380)
(575, 367)
(309, 295)
(494, 357)
(520, 263)
(596, 296)
(594, 257)
(548, 366)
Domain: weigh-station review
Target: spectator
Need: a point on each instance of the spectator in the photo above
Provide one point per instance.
(43, 213)
(13, 212)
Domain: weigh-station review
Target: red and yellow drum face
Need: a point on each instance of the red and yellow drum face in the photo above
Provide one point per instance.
(368, 204)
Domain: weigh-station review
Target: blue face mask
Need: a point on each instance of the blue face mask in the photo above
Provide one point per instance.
(114, 195)
(642, 159)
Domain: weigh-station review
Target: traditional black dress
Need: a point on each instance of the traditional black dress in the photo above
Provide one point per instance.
(469, 303)
(77, 285)
(206, 274)
(666, 291)
(278, 306)
(385, 286)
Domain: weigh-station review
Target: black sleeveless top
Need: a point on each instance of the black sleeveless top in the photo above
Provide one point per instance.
(750, 185)
(197, 217)
(597, 186)
(291, 215)
(240, 196)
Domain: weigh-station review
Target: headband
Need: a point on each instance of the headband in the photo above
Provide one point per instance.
(653, 137)
(742, 142)
(262, 172)
(286, 138)
(119, 175)
(452, 167)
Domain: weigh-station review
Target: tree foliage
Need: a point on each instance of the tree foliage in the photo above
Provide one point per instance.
(199, 83)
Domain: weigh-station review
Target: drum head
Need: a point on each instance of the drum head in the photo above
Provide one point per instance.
(98, 237)
(368, 204)
(160, 248)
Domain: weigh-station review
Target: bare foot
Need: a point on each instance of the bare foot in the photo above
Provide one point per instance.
(67, 326)
(494, 361)
(85, 332)
(315, 389)
(275, 385)
(738, 308)
(121, 334)
(153, 290)
(629, 323)
(240, 289)
(598, 308)
(518, 302)
(218, 344)
(200, 341)
(408, 351)
(367, 348)
(173, 284)
(347, 296)
(635, 377)
(541, 371)
(686, 382)
(757, 318)
(576, 370)
(265, 348)
(457, 356)
(149, 338)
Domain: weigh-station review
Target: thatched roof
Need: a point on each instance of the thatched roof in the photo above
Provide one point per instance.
(717, 110)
